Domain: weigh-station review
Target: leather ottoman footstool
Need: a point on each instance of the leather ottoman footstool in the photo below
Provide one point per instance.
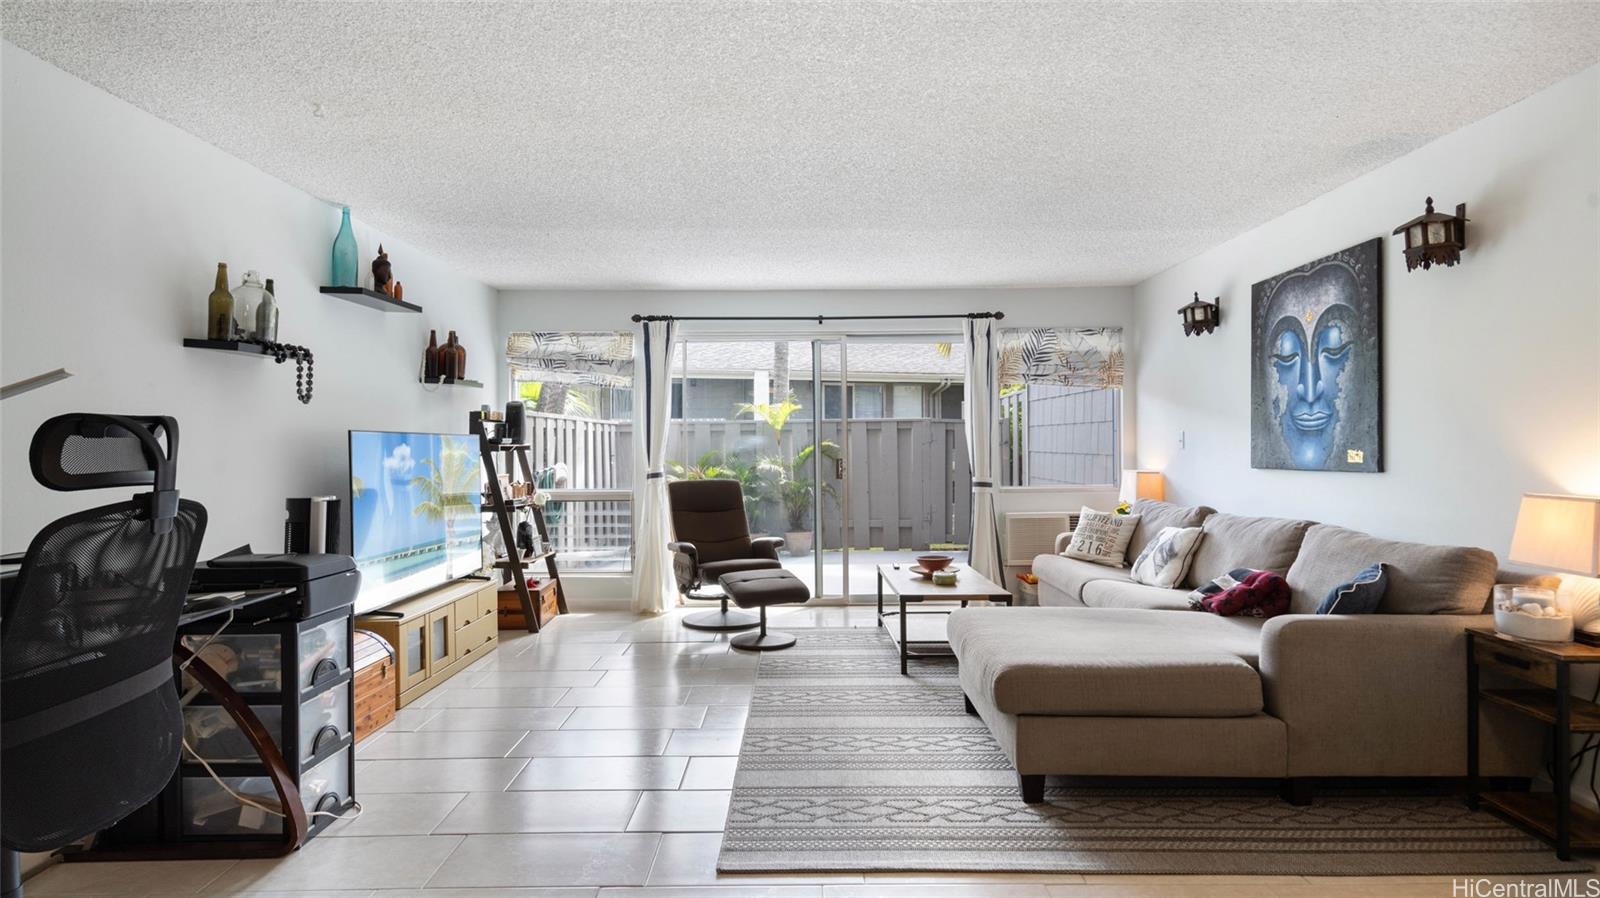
(758, 589)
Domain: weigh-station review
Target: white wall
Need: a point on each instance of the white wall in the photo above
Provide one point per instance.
(113, 222)
(1024, 307)
(1491, 369)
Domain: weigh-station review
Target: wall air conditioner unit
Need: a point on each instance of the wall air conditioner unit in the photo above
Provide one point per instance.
(1033, 533)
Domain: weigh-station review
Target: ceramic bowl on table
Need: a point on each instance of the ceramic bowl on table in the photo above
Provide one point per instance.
(934, 562)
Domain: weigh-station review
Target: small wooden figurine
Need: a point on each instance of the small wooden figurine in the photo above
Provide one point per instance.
(383, 276)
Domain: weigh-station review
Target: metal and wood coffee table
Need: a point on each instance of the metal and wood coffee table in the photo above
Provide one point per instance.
(911, 589)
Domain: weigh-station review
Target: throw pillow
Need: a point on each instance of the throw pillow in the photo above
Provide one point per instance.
(1243, 592)
(1360, 594)
(1166, 559)
(1102, 537)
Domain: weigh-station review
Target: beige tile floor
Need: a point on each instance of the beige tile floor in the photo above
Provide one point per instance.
(595, 760)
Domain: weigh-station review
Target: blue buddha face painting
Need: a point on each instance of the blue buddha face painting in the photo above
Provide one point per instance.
(1315, 396)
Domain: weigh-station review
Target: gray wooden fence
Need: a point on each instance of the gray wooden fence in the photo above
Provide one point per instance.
(911, 483)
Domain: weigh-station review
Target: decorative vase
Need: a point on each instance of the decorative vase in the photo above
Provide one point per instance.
(267, 315)
(247, 297)
(430, 358)
(346, 268)
(219, 308)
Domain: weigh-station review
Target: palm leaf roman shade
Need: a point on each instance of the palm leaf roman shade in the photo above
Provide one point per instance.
(587, 357)
(1065, 356)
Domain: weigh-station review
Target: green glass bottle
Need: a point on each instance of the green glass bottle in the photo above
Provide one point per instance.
(267, 315)
(219, 308)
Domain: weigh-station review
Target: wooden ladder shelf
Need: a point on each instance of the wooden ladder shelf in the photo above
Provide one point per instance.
(513, 568)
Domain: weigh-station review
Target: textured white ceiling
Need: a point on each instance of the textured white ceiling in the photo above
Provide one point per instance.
(842, 144)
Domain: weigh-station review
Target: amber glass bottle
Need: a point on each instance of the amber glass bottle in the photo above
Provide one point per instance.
(430, 358)
(219, 308)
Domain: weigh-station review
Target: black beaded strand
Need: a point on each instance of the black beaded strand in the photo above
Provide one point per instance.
(303, 366)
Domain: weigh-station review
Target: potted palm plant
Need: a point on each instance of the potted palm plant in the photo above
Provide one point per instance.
(797, 491)
(797, 494)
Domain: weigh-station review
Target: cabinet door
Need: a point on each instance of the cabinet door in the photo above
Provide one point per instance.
(488, 601)
(413, 651)
(441, 640)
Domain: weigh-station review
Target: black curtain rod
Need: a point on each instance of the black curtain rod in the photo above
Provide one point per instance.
(817, 318)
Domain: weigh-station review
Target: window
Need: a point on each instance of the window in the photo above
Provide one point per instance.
(1052, 435)
(1060, 406)
(866, 401)
(578, 391)
(908, 400)
(712, 398)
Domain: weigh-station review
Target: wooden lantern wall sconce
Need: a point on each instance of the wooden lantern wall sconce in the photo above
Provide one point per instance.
(1435, 238)
(1201, 317)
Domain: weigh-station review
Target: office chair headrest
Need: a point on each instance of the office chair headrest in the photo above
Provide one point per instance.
(87, 451)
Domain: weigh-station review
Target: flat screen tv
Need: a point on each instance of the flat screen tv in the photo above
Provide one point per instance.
(414, 512)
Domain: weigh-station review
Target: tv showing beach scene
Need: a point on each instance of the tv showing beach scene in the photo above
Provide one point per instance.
(414, 512)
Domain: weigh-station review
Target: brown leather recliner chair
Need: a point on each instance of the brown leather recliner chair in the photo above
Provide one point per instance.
(713, 538)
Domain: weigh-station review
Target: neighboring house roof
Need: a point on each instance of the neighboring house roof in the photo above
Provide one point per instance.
(868, 361)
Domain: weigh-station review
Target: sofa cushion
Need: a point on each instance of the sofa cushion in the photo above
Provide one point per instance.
(1423, 579)
(1127, 594)
(1069, 575)
(1154, 515)
(1109, 662)
(1231, 541)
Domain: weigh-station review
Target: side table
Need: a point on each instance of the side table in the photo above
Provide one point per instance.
(1548, 667)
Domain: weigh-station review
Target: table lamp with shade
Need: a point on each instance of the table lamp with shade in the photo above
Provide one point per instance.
(1562, 533)
(1142, 484)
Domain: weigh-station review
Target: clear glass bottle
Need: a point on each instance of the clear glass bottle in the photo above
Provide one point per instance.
(219, 308)
(246, 299)
(267, 315)
(346, 268)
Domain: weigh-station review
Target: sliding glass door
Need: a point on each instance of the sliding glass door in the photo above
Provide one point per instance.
(849, 447)
(908, 484)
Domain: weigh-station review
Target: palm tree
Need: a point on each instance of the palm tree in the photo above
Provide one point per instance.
(447, 489)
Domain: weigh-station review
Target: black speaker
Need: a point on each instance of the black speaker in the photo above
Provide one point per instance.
(313, 526)
(516, 428)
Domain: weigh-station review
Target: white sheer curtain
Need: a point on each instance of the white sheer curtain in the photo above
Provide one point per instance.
(654, 587)
(983, 442)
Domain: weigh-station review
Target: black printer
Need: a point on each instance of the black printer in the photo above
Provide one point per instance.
(322, 583)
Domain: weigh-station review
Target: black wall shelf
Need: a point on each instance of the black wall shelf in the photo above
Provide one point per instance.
(372, 299)
(451, 382)
(255, 349)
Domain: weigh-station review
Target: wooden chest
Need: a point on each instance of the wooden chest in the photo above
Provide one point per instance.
(511, 616)
(375, 683)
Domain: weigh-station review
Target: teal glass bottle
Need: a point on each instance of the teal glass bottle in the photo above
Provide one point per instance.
(345, 267)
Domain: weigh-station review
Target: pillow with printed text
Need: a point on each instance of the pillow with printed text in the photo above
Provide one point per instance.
(1102, 537)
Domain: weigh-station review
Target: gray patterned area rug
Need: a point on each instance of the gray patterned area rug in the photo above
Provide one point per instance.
(848, 766)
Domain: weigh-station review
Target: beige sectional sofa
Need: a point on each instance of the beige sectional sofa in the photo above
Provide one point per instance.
(1110, 677)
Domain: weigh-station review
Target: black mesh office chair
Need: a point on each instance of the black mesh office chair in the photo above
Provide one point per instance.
(90, 728)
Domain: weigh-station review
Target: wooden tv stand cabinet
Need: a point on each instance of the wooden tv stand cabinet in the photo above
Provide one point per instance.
(437, 634)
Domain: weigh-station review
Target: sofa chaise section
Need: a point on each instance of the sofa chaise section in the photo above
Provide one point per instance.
(1088, 689)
